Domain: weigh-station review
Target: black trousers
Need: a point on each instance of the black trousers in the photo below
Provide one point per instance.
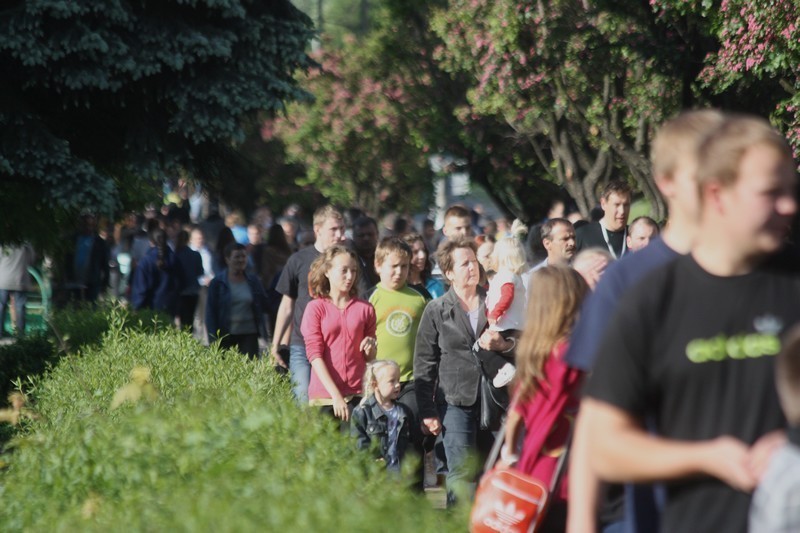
(187, 303)
(247, 343)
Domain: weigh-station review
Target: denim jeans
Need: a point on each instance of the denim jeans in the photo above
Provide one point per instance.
(300, 370)
(20, 299)
(460, 436)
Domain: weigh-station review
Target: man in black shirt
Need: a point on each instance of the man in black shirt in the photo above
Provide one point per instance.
(691, 348)
(610, 232)
(293, 285)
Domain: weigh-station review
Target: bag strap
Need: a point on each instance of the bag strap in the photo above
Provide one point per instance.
(555, 483)
(497, 447)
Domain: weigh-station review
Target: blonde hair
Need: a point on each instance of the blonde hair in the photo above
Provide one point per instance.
(324, 213)
(556, 295)
(392, 245)
(680, 137)
(371, 376)
(510, 254)
(721, 152)
(319, 286)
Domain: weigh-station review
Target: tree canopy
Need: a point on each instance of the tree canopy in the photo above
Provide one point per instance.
(99, 101)
(537, 95)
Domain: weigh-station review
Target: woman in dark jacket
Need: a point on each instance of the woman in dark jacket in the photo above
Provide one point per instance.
(235, 305)
(157, 279)
(444, 360)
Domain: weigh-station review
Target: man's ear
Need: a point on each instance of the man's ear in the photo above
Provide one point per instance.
(666, 185)
(711, 196)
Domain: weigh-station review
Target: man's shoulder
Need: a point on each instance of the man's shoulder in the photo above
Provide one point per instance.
(303, 256)
(591, 228)
(634, 266)
(589, 235)
(786, 261)
(298, 262)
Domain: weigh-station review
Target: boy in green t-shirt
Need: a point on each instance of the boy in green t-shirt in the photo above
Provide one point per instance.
(398, 309)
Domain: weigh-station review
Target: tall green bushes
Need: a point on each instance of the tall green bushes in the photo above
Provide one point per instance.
(221, 447)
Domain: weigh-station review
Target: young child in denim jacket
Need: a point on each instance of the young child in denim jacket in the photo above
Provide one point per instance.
(380, 422)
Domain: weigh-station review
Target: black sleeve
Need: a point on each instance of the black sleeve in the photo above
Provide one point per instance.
(620, 375)
(287, 286)
(580, 241)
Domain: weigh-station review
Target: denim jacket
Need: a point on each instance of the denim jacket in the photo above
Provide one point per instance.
(370, 424)
(218, 305)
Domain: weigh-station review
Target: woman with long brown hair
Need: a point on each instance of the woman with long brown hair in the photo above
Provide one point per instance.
(339, 332)
(546, 395)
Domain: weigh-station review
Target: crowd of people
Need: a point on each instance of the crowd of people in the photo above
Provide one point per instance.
(647, 350)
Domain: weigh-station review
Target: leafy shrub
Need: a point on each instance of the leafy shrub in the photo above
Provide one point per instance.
(80, 325)
(32, 355)
(222, 447)
(29, 355)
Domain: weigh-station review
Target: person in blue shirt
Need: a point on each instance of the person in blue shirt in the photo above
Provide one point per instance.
(157, 280)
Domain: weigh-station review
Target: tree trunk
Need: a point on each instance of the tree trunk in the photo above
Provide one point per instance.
(363, 17)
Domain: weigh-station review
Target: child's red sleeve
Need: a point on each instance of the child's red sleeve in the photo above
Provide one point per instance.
(506, 297)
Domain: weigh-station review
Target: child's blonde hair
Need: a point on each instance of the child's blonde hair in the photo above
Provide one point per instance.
(371, 375)
(509, 253)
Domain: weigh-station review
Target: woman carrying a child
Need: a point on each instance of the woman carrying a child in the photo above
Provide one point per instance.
(444, 356)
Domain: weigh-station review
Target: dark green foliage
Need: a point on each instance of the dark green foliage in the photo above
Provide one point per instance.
(78, 326)
(26, 357)
(73, 328)
(98, 98)
(221, 448)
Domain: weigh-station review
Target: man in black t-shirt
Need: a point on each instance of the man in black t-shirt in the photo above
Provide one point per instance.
(293, 285)
(692, 348)
(611, 231)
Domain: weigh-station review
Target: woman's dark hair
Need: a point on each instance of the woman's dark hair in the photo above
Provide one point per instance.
(182, 240)
(224, 238)
(232, 247)
(410, 239)
(276, 238)
(159, 239)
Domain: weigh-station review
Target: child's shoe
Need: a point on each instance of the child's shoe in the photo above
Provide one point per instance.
(504, 376)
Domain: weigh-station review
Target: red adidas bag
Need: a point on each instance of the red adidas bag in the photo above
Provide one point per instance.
(508, 501)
